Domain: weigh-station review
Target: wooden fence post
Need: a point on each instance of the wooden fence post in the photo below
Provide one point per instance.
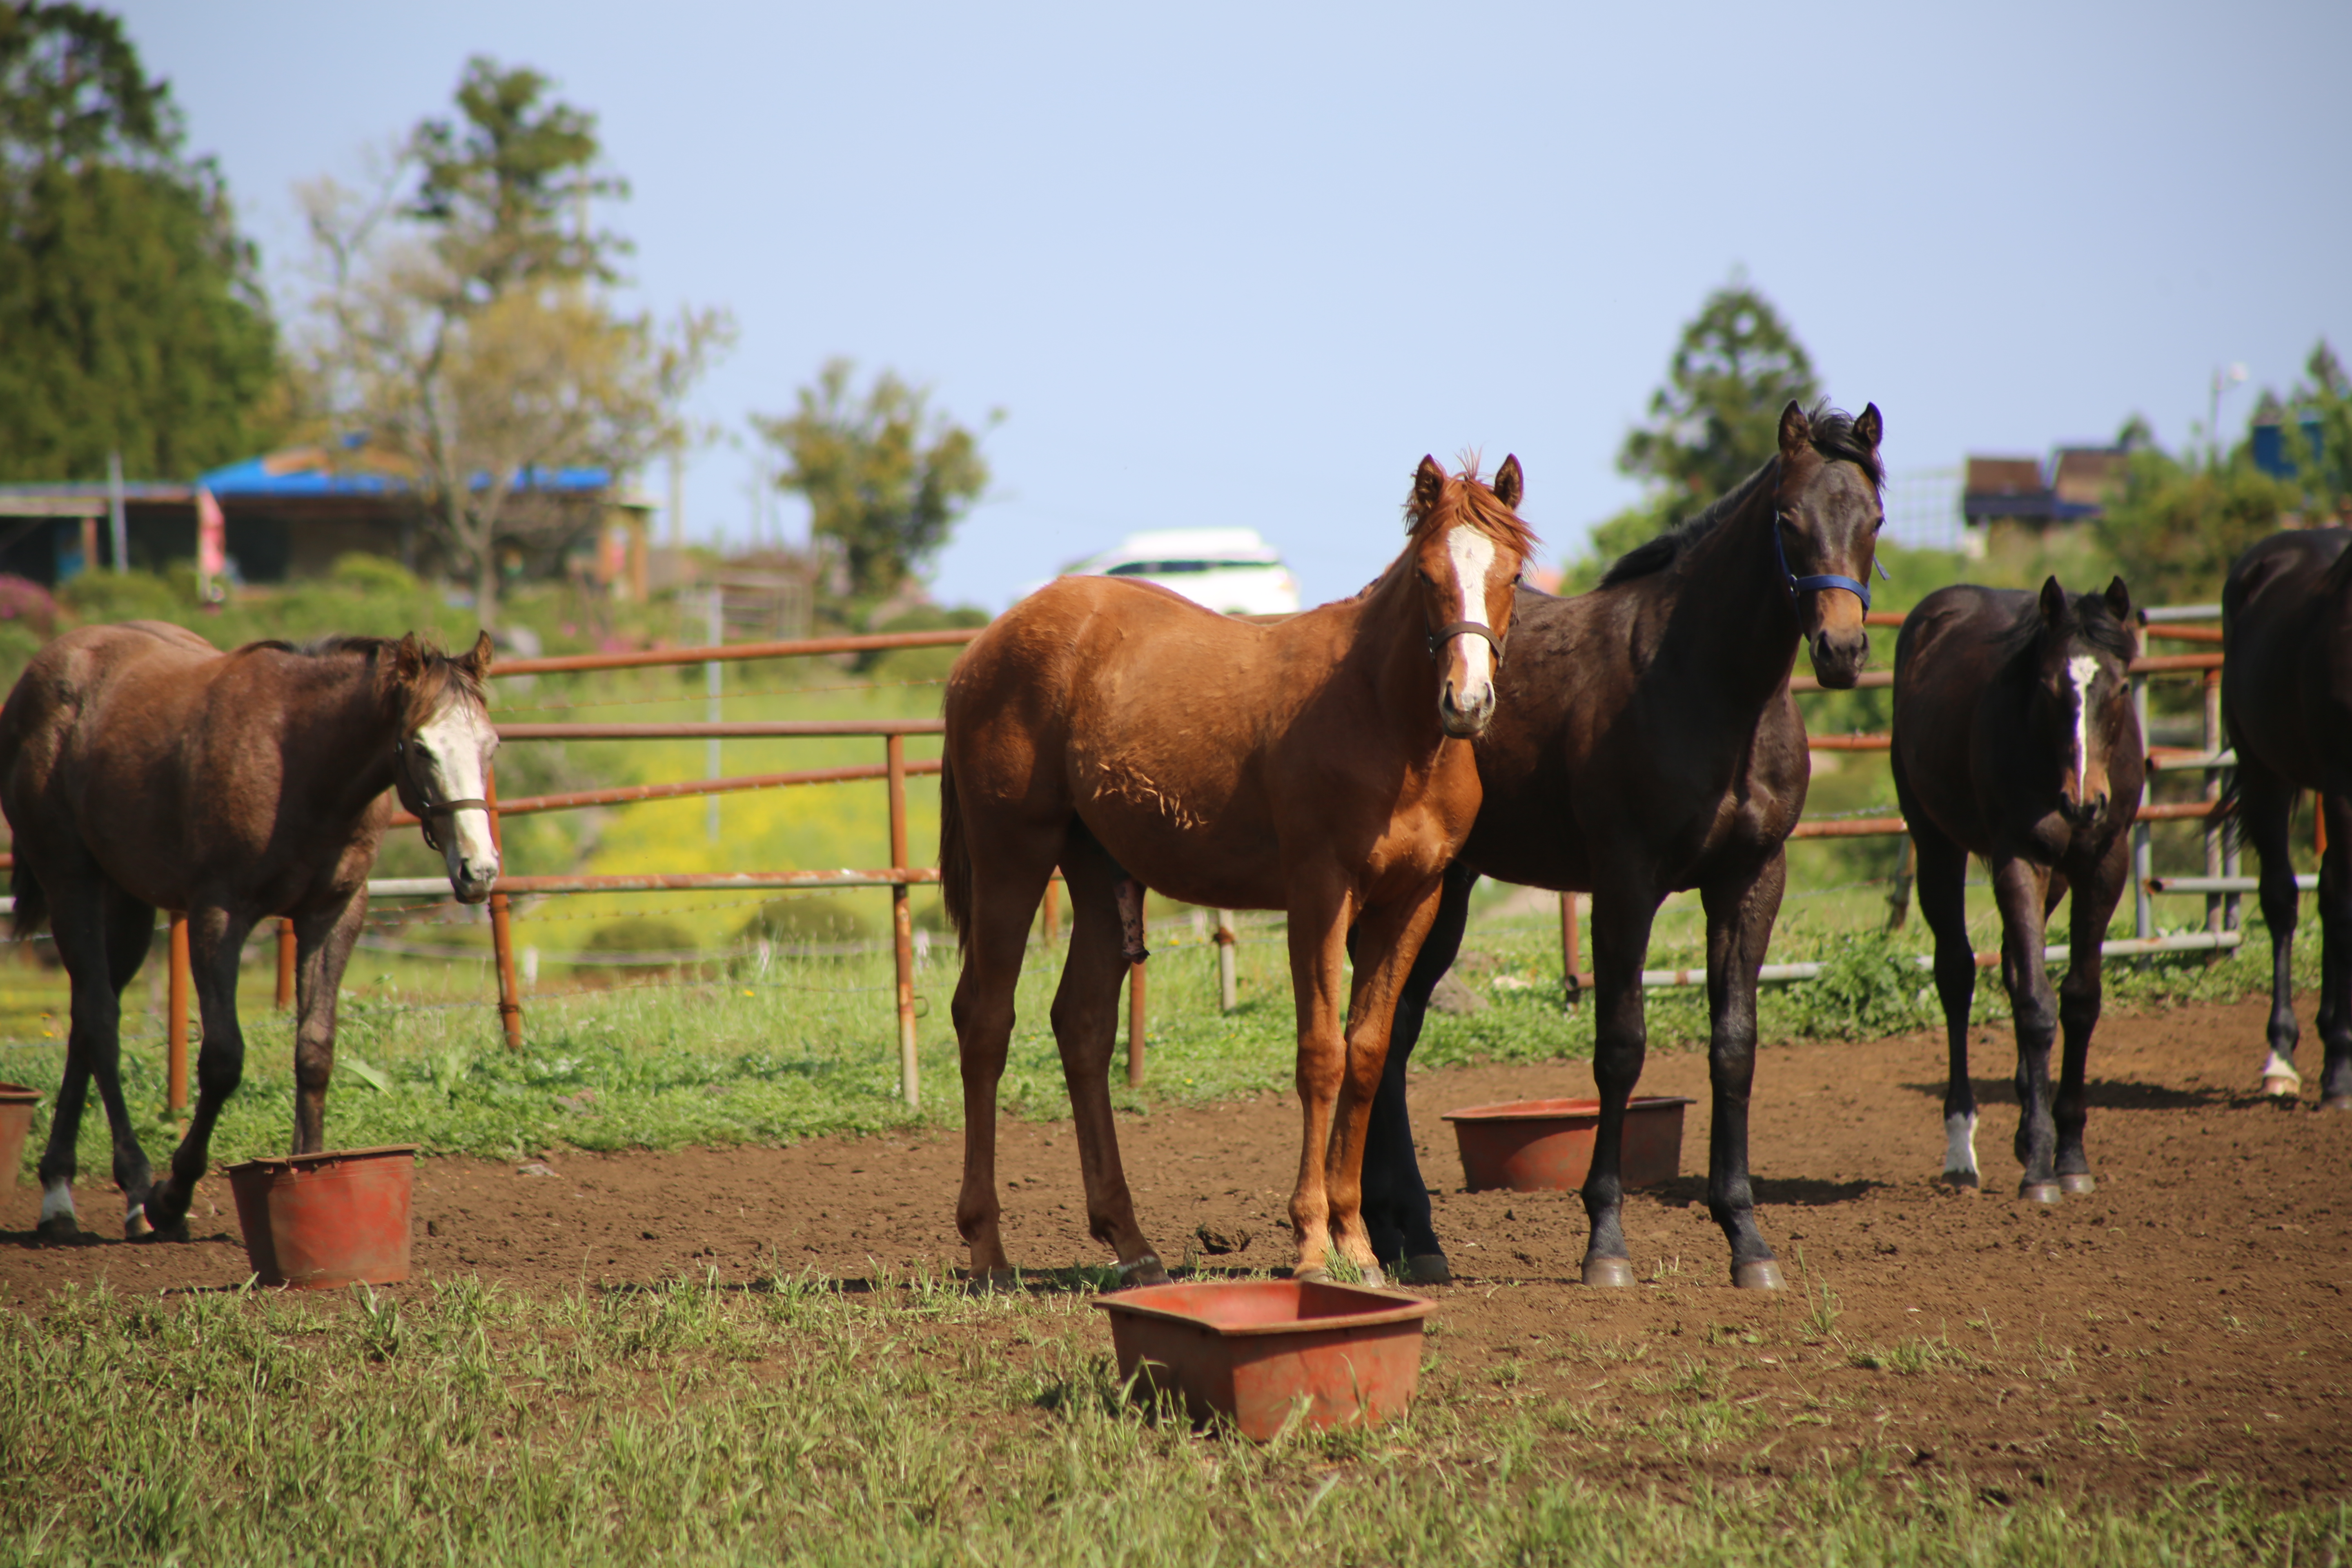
(501, 929)
(284, 963)
(1135, 1024)
(1228, 985)
(176, 1022)
(902, 925)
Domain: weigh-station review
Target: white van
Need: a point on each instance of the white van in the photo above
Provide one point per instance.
(1230, 570)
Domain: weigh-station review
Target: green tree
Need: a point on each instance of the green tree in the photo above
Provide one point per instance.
(1717, 418)
(2322, 485)
(132, 317)
(886, 478)
(459, 321)
(2177, 523)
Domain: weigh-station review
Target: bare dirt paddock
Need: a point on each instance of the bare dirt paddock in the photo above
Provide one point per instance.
(2190, 1319)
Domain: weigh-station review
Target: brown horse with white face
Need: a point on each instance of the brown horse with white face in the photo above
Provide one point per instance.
(142, 768)
(1320, 766)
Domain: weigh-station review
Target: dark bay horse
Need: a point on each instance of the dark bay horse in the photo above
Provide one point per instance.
(2015, 740)
(2286, 699)
(1645, 741)
(142, 768)
(1320, 766)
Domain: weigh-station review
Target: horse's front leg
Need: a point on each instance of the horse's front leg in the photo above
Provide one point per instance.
(2335, 956)
(2021, 888)
(1396, 1199)
(323, 939)
(2265, 804)
(1739, 915)
(1940, 873)
(216, 938)
(1318, 940)
(1622, 917)
(2095, 897)
(1390, 937)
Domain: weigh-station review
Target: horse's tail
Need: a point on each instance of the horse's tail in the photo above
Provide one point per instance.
(955, 856)
(31, 906)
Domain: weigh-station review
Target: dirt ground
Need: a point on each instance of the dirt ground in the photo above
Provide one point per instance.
(2188, 1319)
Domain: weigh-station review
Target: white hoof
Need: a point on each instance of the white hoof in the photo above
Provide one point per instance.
(2280, 1077)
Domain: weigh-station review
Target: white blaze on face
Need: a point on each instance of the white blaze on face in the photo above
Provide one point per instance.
(2082, 669)
(1474, 556)
(455, 742)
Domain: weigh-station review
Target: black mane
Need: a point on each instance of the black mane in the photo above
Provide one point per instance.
(1832, 437)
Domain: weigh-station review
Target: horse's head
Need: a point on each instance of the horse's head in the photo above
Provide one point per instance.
(1468, 547)
(442, 762)
(2081, 701)
(1828, 516)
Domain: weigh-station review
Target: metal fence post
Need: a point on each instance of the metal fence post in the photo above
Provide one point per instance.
(502, 929)
(176, 1022)
(2143, 845)
(284, 963)
(1228, 986)
(2212, 829)
(902, 925)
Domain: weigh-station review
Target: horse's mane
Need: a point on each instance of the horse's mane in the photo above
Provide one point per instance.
(1832, 437)
(2093, 622)
(1466, 499)
(440, 671)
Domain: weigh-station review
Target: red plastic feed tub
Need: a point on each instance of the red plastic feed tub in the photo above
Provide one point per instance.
(17, 1104)
(319, 1221)
(1260, 1350)
(1542, 1145)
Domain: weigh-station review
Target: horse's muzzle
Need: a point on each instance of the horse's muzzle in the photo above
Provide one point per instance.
(472, 880)
(2083, 812)
(1838, 656)
(1466, 721)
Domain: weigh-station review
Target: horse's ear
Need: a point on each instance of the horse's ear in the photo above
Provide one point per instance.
(1870, 425)
(1428, 487)
(1509, 483)
(2053, 602)
(1796, 430)
(478, 661)
(408, 660)
(2119, 600)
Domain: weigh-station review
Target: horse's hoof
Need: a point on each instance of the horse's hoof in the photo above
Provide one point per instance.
(1608, 1271)
(61, 1230)
(2282, 1086)
(2039, 1191)
(1373, 1278)
(1145, 1270)
(2336, 1102)
(1310, 1275)
(135, 1225)
(1764, 1276)
(2078, 1183)
(1961, 1180)
(990, 1281)
(1426, 1268)
(175, 1231)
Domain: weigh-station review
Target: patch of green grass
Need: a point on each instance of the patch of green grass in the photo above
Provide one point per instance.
(793, 1420)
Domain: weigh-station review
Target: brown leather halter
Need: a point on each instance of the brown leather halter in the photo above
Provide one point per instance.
(421, 805)
(1447, 632)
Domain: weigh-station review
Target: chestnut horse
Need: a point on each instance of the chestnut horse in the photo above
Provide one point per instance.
(1646, 741)
(142, 768)
(2015, 740)
(1320, 766)
(2286, 699)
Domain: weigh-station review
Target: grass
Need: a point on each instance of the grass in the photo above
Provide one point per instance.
(903, 1421)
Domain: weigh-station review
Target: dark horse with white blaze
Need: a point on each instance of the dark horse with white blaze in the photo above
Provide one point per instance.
(142, 768)
(1645, 741)
(1321, 766)
(2015, 740)
(2286, 700)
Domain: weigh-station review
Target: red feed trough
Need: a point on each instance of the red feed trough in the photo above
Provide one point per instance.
(319, 1221)
(1256, 1350)
(17, 1104)
(1542, 1145)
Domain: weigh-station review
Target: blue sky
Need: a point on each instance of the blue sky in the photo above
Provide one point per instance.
(1245, 264)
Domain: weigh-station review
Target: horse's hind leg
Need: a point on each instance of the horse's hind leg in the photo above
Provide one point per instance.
(101, 933)
(323, 939)
(1739, 916)
(1086, 1027)
(995, 937)
(1396, 1201)
(216, 938)
(2335, 956)
(1941, 872)
(2097, 894)
(2265, 802)
(1622, 917)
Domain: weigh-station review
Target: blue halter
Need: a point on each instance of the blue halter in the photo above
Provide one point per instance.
(1822, 580)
